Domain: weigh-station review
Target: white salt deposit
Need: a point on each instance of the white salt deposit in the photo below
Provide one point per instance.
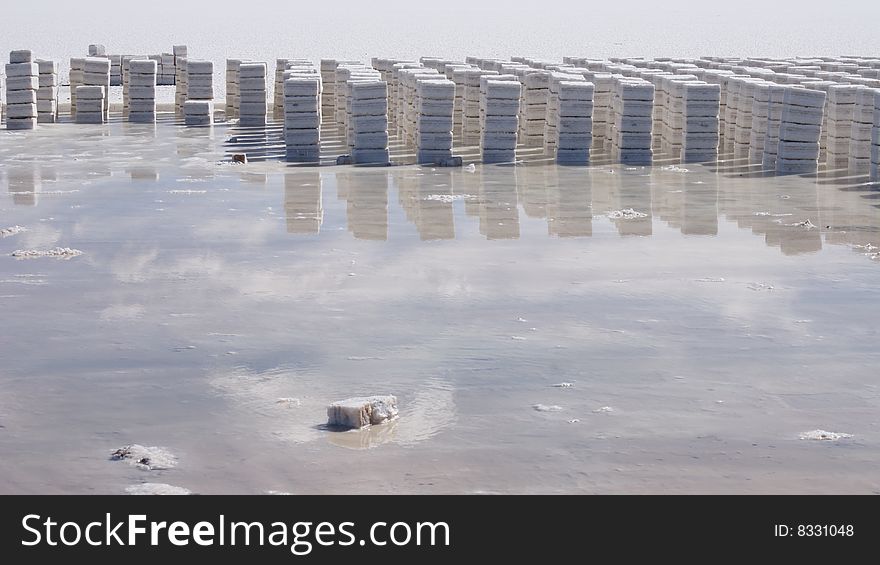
(604, 410)
(145, 458)
(546, 408)
(626, 214)
(10, 231)
(563, 385)
(58, 253)
(822, 435)
(157, 489)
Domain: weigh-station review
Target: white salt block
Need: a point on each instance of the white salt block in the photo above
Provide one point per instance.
(21, 97)
(22, 69)
(357, 413)
(21, 111)
(89, 93)
(21, 56)
(252, 70)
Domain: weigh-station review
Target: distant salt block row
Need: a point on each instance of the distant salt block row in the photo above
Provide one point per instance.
(96, 72)
(284, 68)
(141, 78)
(368, 121)
(632, 107)
(471, 122)
(861, 131)
(387, 68)
(47, 95)
(198, 112)
(90, 104)
(574, 131)
(253, 107)
(302, 118)
(22, 84)
(500, 102)
(199, 80)
(799, 131)
(408, 104)
(435, 104)
(357, 413)
(233, 93)
(344, 74)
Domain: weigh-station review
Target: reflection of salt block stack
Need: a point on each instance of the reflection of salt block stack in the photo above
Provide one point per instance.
(22, 83)
(302, 118)
(774, 122)
(860, 132)
(96, 72)
(367, 121)
(875, 140)
(551, 124)
(115, 70)
(574, 128)
(198, 112)
(303, 205)
(77, 70)
(47, 95)
(533, 113)
(90, 104)
(181, 84)
(141, 77)
(695, 120)
(199, 80)
(799, 131)
(232, 88)
(500, 109)
(632, 107)
(254, 100)
(839, 117)
(435, 101)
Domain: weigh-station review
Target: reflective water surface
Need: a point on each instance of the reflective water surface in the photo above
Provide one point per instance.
(704, 318)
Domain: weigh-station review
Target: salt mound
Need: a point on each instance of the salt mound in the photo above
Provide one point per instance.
(626, 214)
(57, 253)
(156, 489)
(604, 410)
(545, 408)
(10, 231)
(822, 435)
(145, 458)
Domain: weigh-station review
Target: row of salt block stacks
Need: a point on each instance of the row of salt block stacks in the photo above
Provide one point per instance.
(31, 91)
(300, 102)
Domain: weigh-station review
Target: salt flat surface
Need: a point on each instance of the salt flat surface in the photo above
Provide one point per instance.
(702, 339)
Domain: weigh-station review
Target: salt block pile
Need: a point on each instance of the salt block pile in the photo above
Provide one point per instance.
(90, 104)
(551, 123)
(860, 132)
(776, 97)
(47, 95)
(97, 50)
(533, 113)
(694, 119)
(357, 413)
(345, 73)
(368, 121)
(760, 121)
(278, 100)
(233, 93)
(799, 131)
(602, 84)
(471, 121)
(435, 102)
(632, 108)
(396, 95)
(500, 113)
(167, 69)
(253, 107)
(96, 72)
(198, 109)
(115, 70)
(840, 106)
(22, 83)
(302, 118)
(77, 70)
(180, 84)
(574, 130)
(328, 80)
(141, 78)
(742, 130)
(875, 140)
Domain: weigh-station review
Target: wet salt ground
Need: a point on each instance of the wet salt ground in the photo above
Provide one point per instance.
(217, 309)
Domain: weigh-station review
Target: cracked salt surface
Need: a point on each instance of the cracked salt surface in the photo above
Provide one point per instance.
(56, 253)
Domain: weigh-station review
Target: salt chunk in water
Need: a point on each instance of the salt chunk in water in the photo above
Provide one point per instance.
(357, 413)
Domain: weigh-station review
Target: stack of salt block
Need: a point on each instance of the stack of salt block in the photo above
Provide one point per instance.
(574, 128)
(167, 70)
(632, 108)
(875, 140)
(602, 83)
(77, 71)
(181, 84)
(533, 113)
(776, 96)
(96, 72)
(760, 121)
(328, 80)
(47, 95)
(345, 73)
(368, 121)
(839, 119)
(434, 109)
(115, 70)
(395, 116)
(743, 125)
(800, 130)
(90, 104)
(22, 83)
(471, 121)
(697, 108)
(551, 124)
(97, 50)
(141, 78)
(198, 108)
(253, 95)
(233, 94)
(860, 133)
(302, 118)
(281, 67)
(500, 113)
(408, 101)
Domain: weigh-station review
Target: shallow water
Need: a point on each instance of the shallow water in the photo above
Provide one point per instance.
(217, 309)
